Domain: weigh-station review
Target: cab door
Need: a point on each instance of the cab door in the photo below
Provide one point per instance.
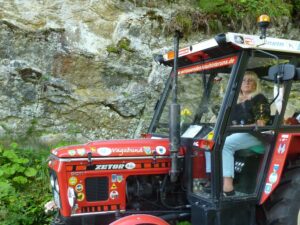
(253, 123)
(253, 140)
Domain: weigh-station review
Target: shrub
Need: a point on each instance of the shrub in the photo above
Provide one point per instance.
(238, 9)
(24, 186)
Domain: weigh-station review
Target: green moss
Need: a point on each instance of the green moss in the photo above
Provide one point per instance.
(184, 22)
(213, 25)
(238, 9)
(124, 43)
(32, 128)
(73, 129)
(211, 6)
(113, 49)
(153, 16)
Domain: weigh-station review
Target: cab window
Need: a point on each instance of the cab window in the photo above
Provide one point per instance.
(292, 112)
(200, 96)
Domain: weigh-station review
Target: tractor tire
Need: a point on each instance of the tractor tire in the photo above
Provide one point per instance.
(282, 208)
(140, 219)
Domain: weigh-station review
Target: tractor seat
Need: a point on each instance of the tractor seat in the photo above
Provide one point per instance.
(259, 149)
(253, 150)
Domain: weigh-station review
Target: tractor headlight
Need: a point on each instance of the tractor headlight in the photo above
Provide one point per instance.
(52, 180)
(56, 186)
(56, 198)
(71, 196)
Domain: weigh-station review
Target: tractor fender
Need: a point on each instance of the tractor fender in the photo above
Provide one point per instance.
(139, 219)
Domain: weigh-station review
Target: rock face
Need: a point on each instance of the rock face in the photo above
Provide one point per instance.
(81, 69)
(78, 70)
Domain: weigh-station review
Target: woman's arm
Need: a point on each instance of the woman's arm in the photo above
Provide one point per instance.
(261, 122)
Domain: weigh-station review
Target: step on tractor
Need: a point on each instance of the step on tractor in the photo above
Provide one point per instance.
(164, 177)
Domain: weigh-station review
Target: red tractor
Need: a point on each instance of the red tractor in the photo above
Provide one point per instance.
(160, 179)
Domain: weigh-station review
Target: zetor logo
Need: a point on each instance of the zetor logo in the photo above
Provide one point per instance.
(122, 166)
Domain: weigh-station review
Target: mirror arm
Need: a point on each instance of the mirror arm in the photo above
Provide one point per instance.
(277, 77)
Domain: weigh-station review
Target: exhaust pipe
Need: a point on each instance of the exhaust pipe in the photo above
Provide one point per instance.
(174, 125)
(174, 115)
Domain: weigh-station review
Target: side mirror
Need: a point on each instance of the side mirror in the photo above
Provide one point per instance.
(158, 58)
(281, 72)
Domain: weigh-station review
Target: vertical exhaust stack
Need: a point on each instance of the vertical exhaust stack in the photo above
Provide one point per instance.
(174, 115)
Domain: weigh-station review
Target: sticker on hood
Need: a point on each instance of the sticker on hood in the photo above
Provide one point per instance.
(104, 151)
(161, 150)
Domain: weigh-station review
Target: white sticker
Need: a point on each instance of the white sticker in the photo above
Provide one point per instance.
(130, 165)
(72, 152)
(192, 131)
(281, 148)
(161, 150)
(81, 151)
(268, 188)
(273, 177)
(119, 178)
(298, 117)
(114, 194)
(196, 143)
(104, 151)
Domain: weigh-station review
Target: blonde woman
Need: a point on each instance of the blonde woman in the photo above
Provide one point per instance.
(251, 103)
(251, 107)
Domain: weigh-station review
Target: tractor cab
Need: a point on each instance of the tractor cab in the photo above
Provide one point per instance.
(209, 81)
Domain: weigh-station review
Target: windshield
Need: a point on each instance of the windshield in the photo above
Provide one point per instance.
(200, 95)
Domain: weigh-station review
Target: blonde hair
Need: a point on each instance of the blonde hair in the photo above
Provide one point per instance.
(253, 76)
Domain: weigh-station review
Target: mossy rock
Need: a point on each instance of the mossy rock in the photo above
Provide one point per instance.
(113, 49)
(123, 44)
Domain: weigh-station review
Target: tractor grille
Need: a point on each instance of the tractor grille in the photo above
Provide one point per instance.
(102, 208)
(96, 189)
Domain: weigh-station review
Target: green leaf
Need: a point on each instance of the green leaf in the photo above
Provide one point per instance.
(20, 180)
(22, 161)
(9, 170)
(14, 145)
(18, 168)
(30, 172)
(211, 6)
(10, 155)
(5, 189)
(13, 157)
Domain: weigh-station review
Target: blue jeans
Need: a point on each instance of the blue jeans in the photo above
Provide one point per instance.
(233, 143)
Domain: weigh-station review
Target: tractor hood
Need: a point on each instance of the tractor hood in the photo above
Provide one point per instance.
(116, 148)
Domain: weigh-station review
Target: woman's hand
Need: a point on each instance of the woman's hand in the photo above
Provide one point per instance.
(260, 122)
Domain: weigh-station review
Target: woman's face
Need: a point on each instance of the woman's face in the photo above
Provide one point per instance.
(248, 85)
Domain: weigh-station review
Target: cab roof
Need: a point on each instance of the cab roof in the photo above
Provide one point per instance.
(230, 43)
